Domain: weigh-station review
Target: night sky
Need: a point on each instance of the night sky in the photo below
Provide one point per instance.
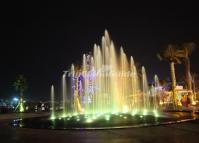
(40, 40)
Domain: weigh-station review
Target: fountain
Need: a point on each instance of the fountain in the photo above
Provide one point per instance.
(106, 91)
(52, 95)
(106, 83)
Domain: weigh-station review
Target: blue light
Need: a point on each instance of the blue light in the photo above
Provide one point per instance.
(15, 99)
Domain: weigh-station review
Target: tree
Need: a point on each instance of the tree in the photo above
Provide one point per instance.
(188, 49)
(195, 80)
(20, 86)
(172, 54)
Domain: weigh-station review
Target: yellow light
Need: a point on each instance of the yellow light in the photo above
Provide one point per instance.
(194, 103)
(145, 112)
(64, 115)
(125, 109)
(21, 109)
(89, 120)
(134, 112)
(107, 117)
(52, 118)
(155, 113)
(161, 103)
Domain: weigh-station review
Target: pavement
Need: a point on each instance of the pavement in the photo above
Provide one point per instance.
(175, 133)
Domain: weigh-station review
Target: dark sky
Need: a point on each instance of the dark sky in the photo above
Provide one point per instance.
(40, 40)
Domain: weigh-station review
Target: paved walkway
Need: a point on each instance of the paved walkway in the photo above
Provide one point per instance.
(176, 133)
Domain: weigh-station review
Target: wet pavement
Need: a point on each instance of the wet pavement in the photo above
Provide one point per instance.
(176, 133)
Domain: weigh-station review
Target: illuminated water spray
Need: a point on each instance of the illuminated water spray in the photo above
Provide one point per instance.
(64, 94)
(106, 82)
(52, 93)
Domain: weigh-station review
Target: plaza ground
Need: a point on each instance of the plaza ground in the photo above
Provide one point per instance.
(176, 133)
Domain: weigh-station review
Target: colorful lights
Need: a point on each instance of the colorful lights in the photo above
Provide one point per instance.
(106, 87)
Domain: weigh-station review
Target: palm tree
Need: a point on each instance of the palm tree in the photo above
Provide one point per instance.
(195, 84)
(20, 86)
(173, 55)
(188, 49)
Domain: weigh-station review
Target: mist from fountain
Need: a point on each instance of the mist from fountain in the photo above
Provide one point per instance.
(107, 82)
(52, 94)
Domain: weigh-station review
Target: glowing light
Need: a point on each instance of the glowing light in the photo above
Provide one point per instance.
(64, 115)
(94, 117)
(89, 120)
(15, 99)
(125, 109)
(155, 113)
(101, 89)
(145, 112)
(134, 112)
(179, 104)
(107, 117)
(21, 108)
(161, 103)
(52, 117)
(194, 103)
(115, 113)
